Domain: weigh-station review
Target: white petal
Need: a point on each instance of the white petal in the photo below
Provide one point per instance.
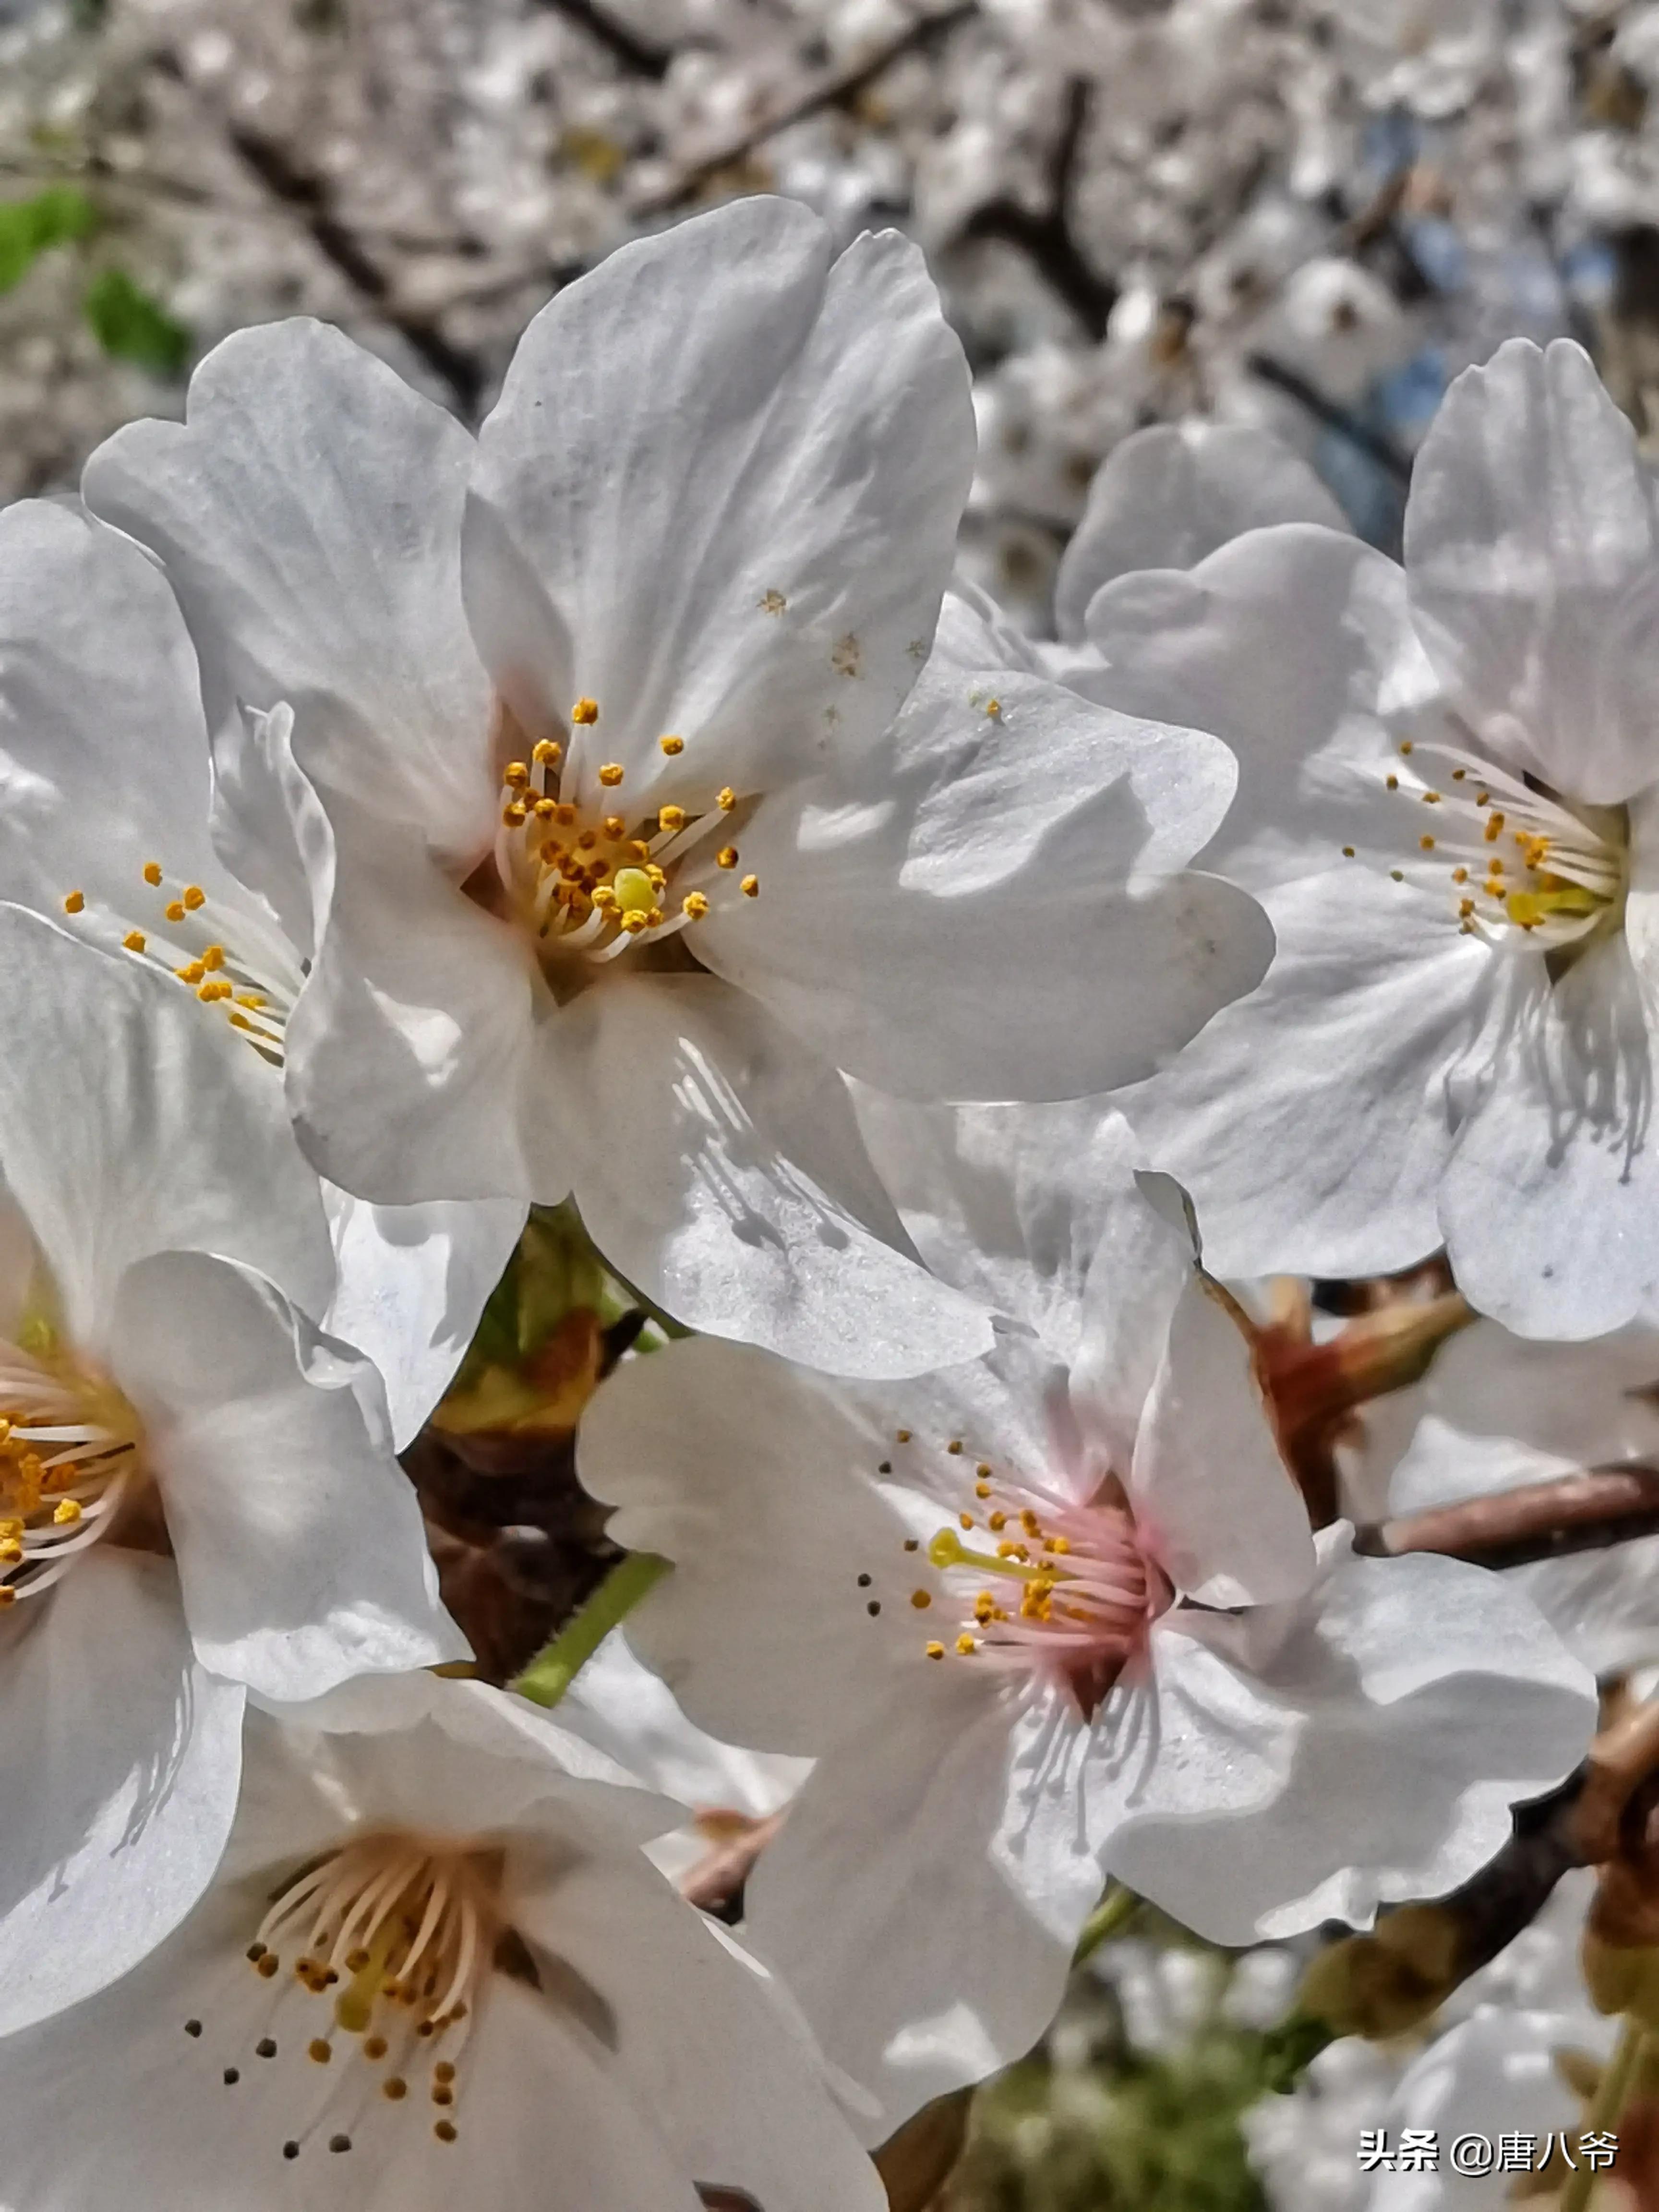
(924, 1896)
(702, 2044)
(908, 900)
(308, 512)
(300, 1543)
(760, 1482)
(1209, 1488)
(618, 1706)
(1531, 543)
(1167, 496)
(1311, 1122)
(737, 465)
(1010, 1204)
(1295, 646)
(724, 1176)
(103, 748)
(1550, 1196)
(128, 1128)
(1139, 1271)
(118, 1770)
(413, 1282)
(1362, 1745)
(413, 1053)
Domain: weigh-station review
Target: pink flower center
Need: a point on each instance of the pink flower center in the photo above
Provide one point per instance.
(1049, 1588)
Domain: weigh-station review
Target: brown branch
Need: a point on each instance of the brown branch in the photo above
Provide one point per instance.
(1048, 239)
(624, 45)
(309, 199)
(1536, 1521)
(830, 90)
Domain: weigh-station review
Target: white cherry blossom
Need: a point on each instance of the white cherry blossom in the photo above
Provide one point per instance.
(1446, 802)
(1053, 1616)
(434, 1966)
(110, 825)
(198, 1495)
(627, 852)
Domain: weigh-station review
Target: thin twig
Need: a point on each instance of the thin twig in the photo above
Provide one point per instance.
(624, 44)
(837, 85)
(1382, 450)
(311, 202)
(1536, 1521)
(1048, 239)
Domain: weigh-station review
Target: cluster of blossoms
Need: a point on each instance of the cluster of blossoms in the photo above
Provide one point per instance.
(946, 1033)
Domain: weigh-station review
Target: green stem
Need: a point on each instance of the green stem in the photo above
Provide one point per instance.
(1612, 2093)
(1114, 1911)
(550, 1674)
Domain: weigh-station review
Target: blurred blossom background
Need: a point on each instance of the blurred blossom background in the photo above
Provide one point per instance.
(1308, 215)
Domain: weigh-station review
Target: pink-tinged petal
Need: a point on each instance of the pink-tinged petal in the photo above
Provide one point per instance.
(1363, 1744)
(1211, 1492)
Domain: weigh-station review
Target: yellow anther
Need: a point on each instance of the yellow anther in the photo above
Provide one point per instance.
(445, 2131)
(965, 1645)
(670, 817)
(615, 827)
(514, 814)
(1392, 781)
(1458, 775)
(653, 920)
(934, 1650)
(585, 710)
(749, 886)
(194, 897)
(981, 1490)
(192, 972)
(727, 857)
(588, 841)
(640, 849)
(1494, 828)
(604, 896)
(1482, 798)
(658, 878)
(546, 753)
(634, 890)
(65, 1512)
(135, 940)
(966, 1519)
(253, 999)
(1460, 875)
(9, 1596)
(174, 910)
(1426, 844)
(564, 814)
(922, 1600)
(694, 904)
(214, 957)
(1347, 852)
(1465, 908)
(632, 923)
(75, 902)
(213, 990)
(1431, 798)
(954, 1447)
(671, 745)
(546, 809)
(10, 1553)
(995, 1521)
(1405, 747)
(320, 2050)
(611, 775)
(515, 776)
(1398, 875)
(153, 874)
(902, 1436)
(726, 800)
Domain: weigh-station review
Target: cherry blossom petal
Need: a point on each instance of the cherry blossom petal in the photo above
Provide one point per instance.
(737, 465)
(300, 1549)
(723, 1174)
(1532, 547)
(119, 1777)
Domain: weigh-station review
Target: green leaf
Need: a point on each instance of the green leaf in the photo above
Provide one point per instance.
(131, 326)
(28, 229)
